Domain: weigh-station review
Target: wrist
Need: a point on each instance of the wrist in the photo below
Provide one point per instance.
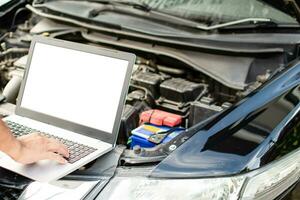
(8, 143)
(12, 147)
(15, 150)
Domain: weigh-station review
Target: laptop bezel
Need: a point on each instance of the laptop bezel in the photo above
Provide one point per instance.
(71, 126)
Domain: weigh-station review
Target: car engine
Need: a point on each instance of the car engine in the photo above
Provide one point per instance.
(157, 83)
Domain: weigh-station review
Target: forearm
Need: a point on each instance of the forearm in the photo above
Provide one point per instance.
(8, 143)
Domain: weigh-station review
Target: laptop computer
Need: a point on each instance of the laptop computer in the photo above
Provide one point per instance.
(74, 93)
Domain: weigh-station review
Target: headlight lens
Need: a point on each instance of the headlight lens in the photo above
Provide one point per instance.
(151, 189)
(269, 182)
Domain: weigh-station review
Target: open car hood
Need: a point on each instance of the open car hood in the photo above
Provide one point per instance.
(213, 151)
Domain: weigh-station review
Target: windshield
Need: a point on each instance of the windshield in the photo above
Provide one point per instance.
(218, 10)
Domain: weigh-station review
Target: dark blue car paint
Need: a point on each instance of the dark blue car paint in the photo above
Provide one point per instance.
(194, 158)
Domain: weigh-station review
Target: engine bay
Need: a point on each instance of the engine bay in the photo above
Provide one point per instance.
(156, 88)
(160, 86)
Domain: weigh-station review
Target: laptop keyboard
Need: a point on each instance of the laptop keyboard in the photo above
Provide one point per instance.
(76, 150)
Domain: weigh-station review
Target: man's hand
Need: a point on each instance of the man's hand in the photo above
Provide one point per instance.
(33, 147)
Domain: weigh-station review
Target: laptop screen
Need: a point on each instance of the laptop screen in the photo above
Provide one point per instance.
(57, 86)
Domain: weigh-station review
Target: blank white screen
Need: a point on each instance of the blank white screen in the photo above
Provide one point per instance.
(76, 86)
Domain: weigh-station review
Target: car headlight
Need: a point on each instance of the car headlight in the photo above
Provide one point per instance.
(273, 179)
(151, 189)
(265, 183)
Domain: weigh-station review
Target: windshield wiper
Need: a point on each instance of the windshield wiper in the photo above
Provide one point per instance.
(153, 14)
(237, 22)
